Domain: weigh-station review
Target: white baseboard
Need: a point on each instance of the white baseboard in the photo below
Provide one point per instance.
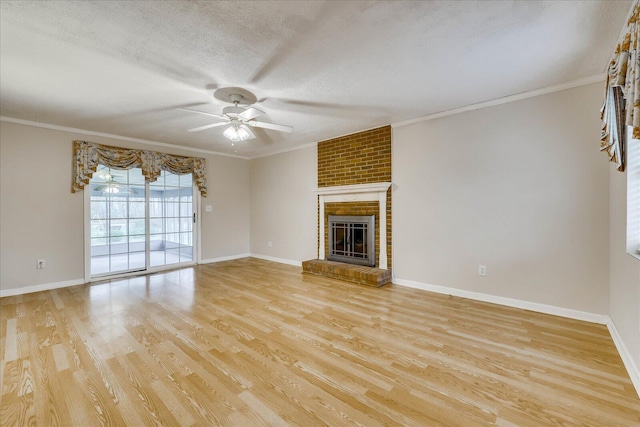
(280, 260)
(625, 354)
(56, 285)
(510, 302)
(224, 258)
(38, 288)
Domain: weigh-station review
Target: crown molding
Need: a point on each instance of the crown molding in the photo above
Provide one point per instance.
(112, 136)
(504, 100)
(284, 150)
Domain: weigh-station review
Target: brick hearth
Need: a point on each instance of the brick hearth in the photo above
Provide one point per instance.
(352, 273)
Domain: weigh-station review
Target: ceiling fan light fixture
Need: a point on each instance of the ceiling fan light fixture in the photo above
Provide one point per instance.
(237, 132)
(239, 119)
(111, 188)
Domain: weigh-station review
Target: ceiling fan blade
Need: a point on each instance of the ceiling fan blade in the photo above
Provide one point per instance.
(248, 129)
(198, 129)
(202, 112)
(250, 113)
(271, 126)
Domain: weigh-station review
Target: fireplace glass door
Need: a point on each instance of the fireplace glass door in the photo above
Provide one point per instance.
(352, 239)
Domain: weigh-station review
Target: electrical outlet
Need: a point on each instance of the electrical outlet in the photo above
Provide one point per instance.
(40, 264)
(482, 270)
(269, 243)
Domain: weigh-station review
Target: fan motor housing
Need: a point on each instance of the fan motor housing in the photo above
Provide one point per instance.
(232, 111)
(234, 95)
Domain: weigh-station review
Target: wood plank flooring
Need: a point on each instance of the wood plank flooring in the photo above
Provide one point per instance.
(251, 343)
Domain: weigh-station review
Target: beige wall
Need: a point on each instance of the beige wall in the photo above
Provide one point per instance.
(283, 205)
(41, 218)
(520, 188)
(624, 275)
(225, 230)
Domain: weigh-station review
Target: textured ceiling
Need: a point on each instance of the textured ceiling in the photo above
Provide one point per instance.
(325, 68)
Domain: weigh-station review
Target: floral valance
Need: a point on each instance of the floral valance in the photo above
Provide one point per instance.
(88, 155)
(622, 97)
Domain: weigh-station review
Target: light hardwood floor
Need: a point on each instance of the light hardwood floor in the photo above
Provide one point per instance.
(250, 342)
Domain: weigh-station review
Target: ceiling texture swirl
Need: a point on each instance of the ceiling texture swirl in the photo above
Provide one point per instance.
(325, 68)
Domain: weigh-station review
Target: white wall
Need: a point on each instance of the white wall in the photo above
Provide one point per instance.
(41, 218)
(521, 188)
(624, 275)
(283, 205)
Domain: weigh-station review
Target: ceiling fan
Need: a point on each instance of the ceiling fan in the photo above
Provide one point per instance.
(111, 186)
(240, 119)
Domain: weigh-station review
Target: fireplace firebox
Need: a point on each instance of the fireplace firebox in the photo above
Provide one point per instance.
(352, 239)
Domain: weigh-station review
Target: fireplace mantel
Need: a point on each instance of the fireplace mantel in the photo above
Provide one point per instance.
(376, 192)
(376, 187)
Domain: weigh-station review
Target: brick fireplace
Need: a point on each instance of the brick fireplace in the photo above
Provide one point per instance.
(354, 178)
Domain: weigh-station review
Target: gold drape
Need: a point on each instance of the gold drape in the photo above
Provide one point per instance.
(88, 155)
(622, 97)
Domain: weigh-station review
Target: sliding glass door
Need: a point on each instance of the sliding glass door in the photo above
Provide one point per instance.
(136, 226)
(171, 219)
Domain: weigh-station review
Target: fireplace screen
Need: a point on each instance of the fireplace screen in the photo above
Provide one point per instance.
(352, 239)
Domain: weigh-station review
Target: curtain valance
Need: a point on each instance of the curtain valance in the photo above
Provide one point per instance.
(88, 155)
(622, 97)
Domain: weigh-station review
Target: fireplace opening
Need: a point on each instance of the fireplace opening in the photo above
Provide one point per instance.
(352, 239)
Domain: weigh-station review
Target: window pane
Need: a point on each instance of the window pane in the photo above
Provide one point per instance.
(185, 239)
(119, 262)
(172, 209)
(118, 228)
(136, 260)
(119, 246)
(171, 180)
(98, 209)
(156, 242)
(99, 247)
(172, 225)
(186, 224)
(136, 210)
(156, 209)
(186, 194)
(137, 244)
(136, 177)
(156, 226)
(186, 209)
(118, 208)
(172, 256)
(172, 195)
(156, 258)
(186, 180)
(99, 264)
(172, 240)
(136, 227)
(186, 254)
(98, 228)
(136, 194)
